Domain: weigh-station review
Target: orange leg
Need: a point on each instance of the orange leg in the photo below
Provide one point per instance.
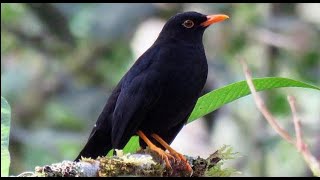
(178, 156)
(153, 147)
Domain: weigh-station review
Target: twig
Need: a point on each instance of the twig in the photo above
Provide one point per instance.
(297, 124)
(53, 20)
(43, 42)
(300, 145)
(262, 107)
(311, 161)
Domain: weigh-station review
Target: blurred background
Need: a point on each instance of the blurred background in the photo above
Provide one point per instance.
(59, 63)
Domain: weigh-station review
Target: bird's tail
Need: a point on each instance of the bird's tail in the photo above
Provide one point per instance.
(99, 144)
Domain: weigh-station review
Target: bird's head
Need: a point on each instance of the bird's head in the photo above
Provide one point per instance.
(189, 26)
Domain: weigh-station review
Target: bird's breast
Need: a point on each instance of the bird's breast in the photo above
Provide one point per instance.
(183, 66)
(181, 78)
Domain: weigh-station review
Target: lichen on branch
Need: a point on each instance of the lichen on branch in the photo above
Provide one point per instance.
(143, 163)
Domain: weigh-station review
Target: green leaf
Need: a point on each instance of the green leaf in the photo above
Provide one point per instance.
(5, 131)
(132, 145)
(219, 97)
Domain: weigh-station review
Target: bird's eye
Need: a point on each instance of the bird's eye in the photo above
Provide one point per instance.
(188, 24)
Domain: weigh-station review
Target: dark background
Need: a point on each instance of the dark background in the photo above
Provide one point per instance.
(59, 63)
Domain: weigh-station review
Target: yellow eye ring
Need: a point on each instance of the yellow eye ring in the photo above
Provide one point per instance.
(188, 24)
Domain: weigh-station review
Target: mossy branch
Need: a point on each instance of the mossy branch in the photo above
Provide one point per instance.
(142, 163)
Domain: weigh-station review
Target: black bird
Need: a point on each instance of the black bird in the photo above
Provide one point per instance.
(158, 93)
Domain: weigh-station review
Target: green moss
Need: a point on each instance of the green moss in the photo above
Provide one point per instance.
(129, 165)
(216, 161)
(218, 171)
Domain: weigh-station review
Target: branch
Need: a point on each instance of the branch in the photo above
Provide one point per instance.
(143, 163)
(297, 124)
(262, 107)
(311, 161)
(54, 21)
(42, 41)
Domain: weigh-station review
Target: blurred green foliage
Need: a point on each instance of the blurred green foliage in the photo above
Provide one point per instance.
(57, 90)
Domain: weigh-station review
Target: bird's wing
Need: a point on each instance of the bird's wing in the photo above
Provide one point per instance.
(99, 141)
(140, 89)
(103, 123)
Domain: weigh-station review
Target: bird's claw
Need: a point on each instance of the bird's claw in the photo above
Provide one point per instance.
(179, 157)
(164, 156)
(171, 157)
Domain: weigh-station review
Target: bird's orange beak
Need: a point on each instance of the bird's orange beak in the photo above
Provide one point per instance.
(213, 19)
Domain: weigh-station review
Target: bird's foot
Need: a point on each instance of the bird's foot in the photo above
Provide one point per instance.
(180, 157)
(164, 156)
(173, 152)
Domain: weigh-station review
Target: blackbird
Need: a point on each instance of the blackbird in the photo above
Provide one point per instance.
(158, 93)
